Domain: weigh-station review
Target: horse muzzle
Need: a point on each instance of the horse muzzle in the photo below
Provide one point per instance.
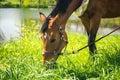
(50, 56)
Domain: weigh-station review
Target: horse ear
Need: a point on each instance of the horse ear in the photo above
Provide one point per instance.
(42, 17)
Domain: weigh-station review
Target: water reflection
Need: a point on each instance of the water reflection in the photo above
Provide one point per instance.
(11, 20)
(8, 20)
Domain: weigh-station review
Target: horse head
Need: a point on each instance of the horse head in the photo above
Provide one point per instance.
(53, 37)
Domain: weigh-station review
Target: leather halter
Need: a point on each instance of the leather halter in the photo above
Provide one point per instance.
(62, 39)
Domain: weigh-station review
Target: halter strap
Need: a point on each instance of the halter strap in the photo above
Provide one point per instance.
(62, 38)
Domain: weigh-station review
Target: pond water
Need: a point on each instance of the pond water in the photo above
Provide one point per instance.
(12, 18)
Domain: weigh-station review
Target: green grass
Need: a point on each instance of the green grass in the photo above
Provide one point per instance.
(21, 59)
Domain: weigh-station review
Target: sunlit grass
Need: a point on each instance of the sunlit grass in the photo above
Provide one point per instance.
(21, 59)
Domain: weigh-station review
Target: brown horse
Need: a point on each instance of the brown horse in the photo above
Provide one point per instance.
(53, 32)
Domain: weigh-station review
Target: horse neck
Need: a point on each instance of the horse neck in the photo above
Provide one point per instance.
(62, 19)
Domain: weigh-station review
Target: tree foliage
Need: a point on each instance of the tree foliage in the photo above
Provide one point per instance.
(27, 3)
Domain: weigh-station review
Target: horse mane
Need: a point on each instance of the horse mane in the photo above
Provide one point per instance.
(60, 7)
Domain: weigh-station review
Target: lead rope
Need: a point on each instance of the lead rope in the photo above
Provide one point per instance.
(76, 51)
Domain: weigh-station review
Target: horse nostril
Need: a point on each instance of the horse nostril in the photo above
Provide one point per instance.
(52, 40)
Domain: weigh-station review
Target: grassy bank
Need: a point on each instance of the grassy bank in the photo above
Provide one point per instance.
(18, 5)
(26, 3)
(21, 59)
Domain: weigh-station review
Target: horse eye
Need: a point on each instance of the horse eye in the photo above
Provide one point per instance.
(52, 40)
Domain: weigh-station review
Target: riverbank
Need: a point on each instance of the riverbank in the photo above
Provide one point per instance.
(10, 24)
(18, 5)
